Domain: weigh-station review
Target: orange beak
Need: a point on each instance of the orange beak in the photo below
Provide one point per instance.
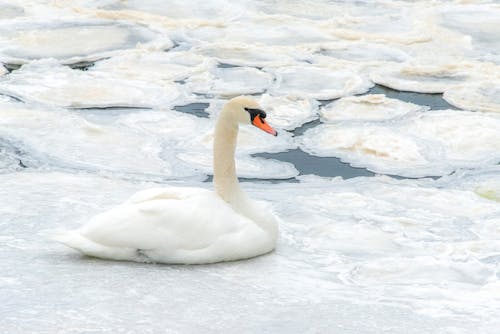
(261, 124)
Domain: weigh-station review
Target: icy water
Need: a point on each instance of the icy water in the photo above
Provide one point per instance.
(385, 174)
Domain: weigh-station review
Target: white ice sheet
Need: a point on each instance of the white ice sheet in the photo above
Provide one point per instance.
(371, 107)
(427, 143)
(50, 83)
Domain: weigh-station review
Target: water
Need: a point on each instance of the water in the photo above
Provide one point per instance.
(197, 109)
(398, 202)
(434, 101)
(322, 166)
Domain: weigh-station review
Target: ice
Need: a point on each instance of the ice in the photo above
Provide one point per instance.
(190, 139)
(297, 10)
(90, 40)
(184, 127)
(8, 11)
(321, 83)
(53, 84)
(433, 78)
(277, 31)
(480, 22)
(375, 21)
(425, 144)
(154, 66)
(403, 245)
(479, 96)
(246, 167)
(482, 181)
(373, 147)
(231, 81)
(155, 145)
(406, 261)
(12, 158)
(66, 140)
(287, 112)
(363, 52)
(90, 118)
(242, 54)
(180, 10)
(371, 107)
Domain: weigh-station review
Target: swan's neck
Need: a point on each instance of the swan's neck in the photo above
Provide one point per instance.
(225, 179)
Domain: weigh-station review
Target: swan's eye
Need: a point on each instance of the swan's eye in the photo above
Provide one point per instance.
(254, 112)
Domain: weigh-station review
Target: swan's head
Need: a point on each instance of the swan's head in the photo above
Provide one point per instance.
(246, 110)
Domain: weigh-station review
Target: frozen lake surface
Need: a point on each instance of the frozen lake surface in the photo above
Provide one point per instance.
(385, 174)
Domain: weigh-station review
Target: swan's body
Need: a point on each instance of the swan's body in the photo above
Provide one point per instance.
(188, 225)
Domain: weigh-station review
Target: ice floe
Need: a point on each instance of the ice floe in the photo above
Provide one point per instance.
(242, 54)
(371, 107)
(362, 52)
(378, 24)
(50, 83)
(485, 182)
(479, 22)
(230, 81)
(478, 96)
(73, 41)
(181, 10)
(275, 30)
(246, 167)
(8, 11)
(427, 143)
(287, 112)
(426, 78)
(12, 158)
(404, 236)
(61, 139)
(154, 66)
(321, 83)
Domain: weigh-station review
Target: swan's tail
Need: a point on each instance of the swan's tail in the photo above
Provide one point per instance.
(77, 241)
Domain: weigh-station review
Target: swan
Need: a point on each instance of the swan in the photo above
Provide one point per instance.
(186, 225)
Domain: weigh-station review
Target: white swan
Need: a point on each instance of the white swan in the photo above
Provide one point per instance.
(188, 225)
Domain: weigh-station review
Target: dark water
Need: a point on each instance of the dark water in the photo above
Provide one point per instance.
(321, 166)
(82, 66)
(224, 65)
(197, 109)
(11, 67)
(435, 101)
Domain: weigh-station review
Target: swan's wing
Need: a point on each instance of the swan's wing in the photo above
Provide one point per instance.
(192, 222)
(164, 193)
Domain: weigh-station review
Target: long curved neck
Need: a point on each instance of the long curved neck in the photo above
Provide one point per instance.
(225, 179)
